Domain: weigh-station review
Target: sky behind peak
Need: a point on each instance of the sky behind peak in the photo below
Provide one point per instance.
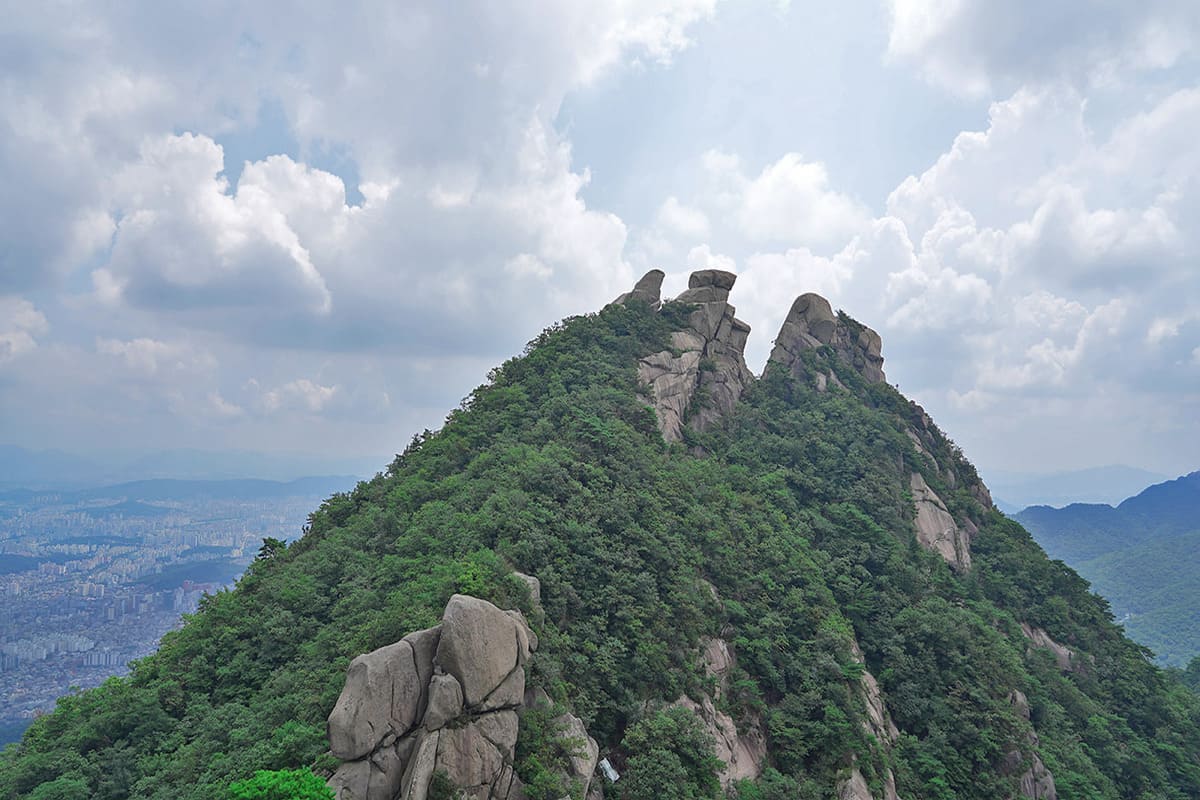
(247, 227)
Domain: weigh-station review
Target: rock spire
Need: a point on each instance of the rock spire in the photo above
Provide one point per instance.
(811, 323)
(706, 359)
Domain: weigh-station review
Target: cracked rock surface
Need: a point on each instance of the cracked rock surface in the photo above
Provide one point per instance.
(440, 700)
(811, 324)
(701, 378)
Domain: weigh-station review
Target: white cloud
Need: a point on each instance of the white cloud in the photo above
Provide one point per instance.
(1047, 258)
(149, 356)
(20, 323)
(124, 80)
(183, 241)
(975, 46)
(685, 221)
(301, 394)
(789, 201)
(218, 406)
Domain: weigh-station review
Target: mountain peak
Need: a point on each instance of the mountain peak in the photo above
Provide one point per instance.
(811, 323)
(706, 358)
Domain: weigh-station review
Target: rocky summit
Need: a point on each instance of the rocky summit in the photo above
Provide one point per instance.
(628, 567)
(705, 356)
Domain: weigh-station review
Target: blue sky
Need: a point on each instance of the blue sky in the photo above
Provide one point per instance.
(316, 227)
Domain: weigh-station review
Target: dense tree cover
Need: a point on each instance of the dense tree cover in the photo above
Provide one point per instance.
(788, 531)
(283, 784)
(671, 756)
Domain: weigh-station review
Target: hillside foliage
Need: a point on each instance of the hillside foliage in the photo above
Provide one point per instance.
(787, 531)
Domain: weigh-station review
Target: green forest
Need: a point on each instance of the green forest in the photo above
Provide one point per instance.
(787, 530)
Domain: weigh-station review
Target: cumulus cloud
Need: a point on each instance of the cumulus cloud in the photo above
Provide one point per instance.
(429, 215)
(303, 394)
(356, 81)
(975, 46)
(149, 357)
(790, 200)
(21, 323)
(184, 242)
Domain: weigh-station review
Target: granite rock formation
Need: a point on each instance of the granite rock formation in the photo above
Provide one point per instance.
(1036, 781)
(879, 724)
(936, 528)
(743, 754)
(647, 290)
(924, 435)
(706, 360)
(1064, 656)
(443, 700)
(811, 324)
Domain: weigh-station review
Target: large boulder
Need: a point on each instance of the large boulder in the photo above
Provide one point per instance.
(480, 646)
(445, 701)
(441, 701)
(648, 289)
(383, 695)
(474, 755)
(811, 323)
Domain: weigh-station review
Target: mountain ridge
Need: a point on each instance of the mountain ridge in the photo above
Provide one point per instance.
(879, 624)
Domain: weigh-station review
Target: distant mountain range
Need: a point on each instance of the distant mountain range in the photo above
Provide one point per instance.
(55, 469)
(130, 498)
(1141, 555)
(1111, 484)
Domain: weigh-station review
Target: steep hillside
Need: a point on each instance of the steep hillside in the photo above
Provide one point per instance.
(1140, 556)
(798, 573)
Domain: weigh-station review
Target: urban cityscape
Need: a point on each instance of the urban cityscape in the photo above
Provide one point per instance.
(91, 580)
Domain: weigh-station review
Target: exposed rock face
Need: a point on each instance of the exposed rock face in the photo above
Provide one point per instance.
(440, 700)
(707, 358)
(1064, 656)
(854, 787)
(1036, 781)
(359, 721)
(878, 723)
(481, 646)
(742, 754)
(936, 528)
(648, 289)
(924, 435)
(811, 323)
(582, 763)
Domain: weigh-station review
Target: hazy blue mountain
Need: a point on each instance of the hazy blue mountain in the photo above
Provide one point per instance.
(21, 467)
(53, 469)
(1140, 555)
(130, 496)
(1110, 485)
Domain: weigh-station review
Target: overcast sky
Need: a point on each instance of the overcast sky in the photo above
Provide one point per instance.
(300, 227)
